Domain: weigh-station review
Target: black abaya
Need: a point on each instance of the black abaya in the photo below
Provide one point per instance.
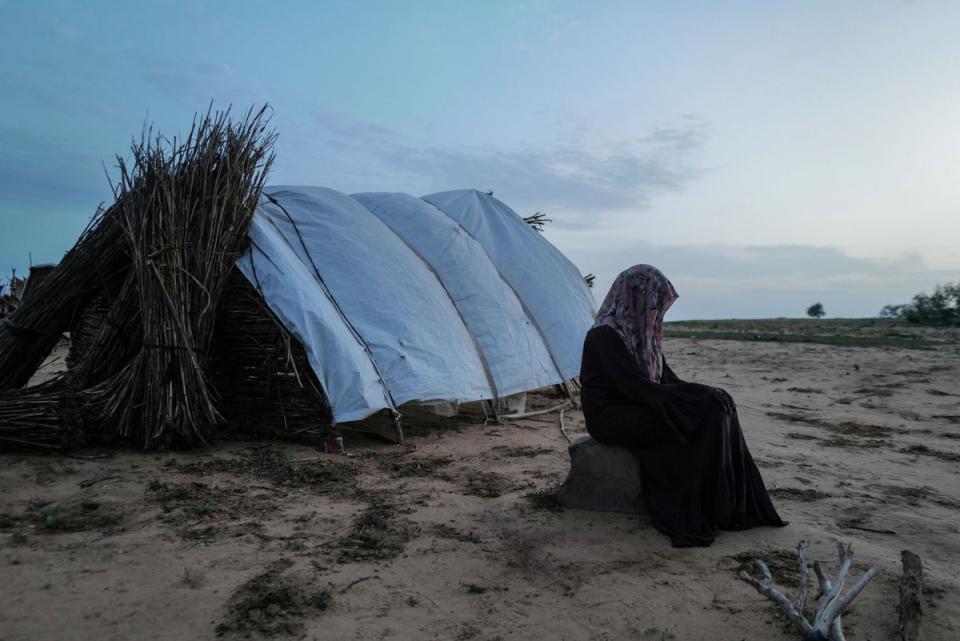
(698, 474)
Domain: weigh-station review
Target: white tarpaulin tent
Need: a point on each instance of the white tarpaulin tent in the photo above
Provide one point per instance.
(450, 297)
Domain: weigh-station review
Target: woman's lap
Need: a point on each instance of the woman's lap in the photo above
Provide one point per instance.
(693, 488)
(627, 426)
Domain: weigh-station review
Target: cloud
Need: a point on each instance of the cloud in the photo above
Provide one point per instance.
(36, 169)
(573, 175)
(592, 184)
(766, 281)
(190, 79)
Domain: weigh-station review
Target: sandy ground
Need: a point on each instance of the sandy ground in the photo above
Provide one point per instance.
(447, 537)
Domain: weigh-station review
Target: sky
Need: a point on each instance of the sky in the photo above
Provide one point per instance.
(765, 155)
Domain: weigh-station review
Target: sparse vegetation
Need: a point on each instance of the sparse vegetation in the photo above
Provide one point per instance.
(841, 332)
(296, 545)
(75, 516)
(203, 512)
(446, 531)
(521, 451)
(545, 500)
(399, 465)
(273, 603)
(192, 578)
(939, 309)
(379, 532)
(488, 485)
(273, 464)
(321, 599)
(473, 588)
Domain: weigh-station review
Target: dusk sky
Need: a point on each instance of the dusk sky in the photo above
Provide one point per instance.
(766, 155)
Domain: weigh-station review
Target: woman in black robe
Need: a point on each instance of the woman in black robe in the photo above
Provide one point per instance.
(698, 474)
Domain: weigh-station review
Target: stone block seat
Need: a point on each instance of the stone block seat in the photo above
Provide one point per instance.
(604, 478)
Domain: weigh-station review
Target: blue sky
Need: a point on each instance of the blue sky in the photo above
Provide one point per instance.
(765, 155)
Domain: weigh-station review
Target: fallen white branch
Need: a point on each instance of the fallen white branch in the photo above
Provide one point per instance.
(563, 429)
(562, 406)
(826, 624)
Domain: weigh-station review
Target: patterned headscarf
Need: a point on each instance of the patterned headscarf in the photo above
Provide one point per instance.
(634, 308)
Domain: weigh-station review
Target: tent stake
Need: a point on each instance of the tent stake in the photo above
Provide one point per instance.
(397, 425)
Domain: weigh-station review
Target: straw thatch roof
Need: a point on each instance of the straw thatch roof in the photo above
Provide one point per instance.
(143, 284)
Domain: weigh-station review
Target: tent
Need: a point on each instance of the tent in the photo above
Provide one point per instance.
(397, 299)
(201, 301)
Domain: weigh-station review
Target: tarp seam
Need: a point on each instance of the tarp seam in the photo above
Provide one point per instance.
(523, 304)
(476, 344)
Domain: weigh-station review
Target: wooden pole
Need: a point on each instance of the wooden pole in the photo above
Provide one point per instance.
(911, 590)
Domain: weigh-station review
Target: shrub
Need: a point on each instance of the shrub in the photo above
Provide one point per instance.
(941, 308)
(816, 311)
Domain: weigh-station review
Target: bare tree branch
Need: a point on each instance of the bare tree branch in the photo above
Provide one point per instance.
(826, 625)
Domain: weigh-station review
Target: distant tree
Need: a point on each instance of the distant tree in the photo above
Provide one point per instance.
(941, 308)
(816, 311)
(892, 311)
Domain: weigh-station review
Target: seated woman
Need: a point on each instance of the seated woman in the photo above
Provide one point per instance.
(698, 474)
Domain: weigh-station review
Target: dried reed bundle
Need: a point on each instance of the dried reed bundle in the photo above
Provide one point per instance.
(160, 258)
(32, 331)
(86, 328)
(111, 336)
(31, 418)
(184, 210)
